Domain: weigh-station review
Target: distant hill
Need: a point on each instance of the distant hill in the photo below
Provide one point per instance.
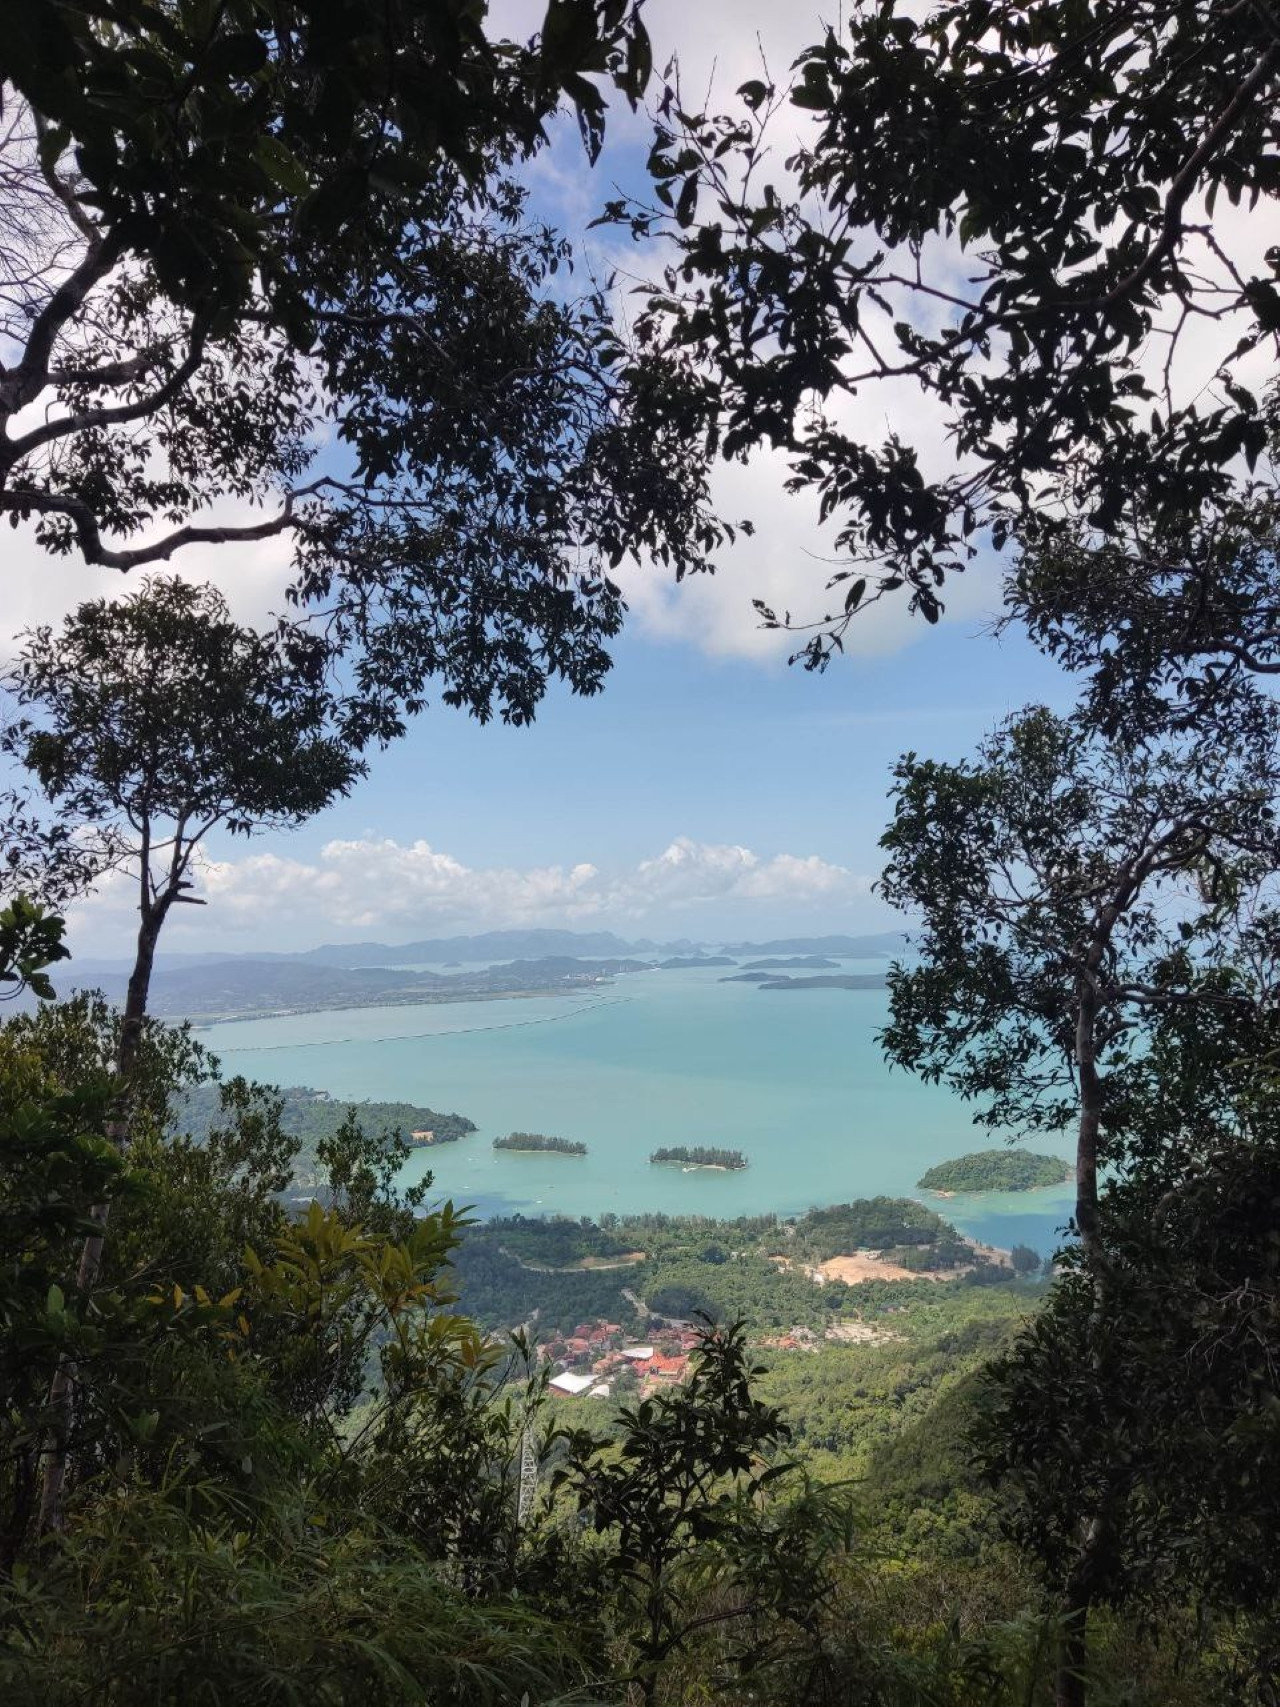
(781, 963)
(827, 981)
(512, 945)
(846, 947)
(490, 945)
(235, 989)
(682, 962)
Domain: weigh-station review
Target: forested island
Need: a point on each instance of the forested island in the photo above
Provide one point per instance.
(827, 981)
(809, 962)
(540, 1141)
(701, 1156)
(310, 1116)
(683, 962)
(996, 1170)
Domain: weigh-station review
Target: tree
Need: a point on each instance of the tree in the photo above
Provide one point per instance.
(1015, 207)
(233, 234)
(685, 1495)
(229, 149)
(1077, 897)
(157, 719)
(150, 721)
(1069, 892)
(217, 1444)
(1175, 1449)
(1170, 616)
(30, 941)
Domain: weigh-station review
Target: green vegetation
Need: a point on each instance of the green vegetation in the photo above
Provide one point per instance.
(700, 1156)
(753, 1268)
(876, 1224)
(996, 1170)
(540, 1141)
(311, 1117)
(238, 989)
(253, 1451)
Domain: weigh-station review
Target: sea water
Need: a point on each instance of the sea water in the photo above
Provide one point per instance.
(794, 1079)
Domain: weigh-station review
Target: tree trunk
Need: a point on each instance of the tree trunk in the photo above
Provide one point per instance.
(62, 1388)
(1090, 1122)
(135, 1012)
(1069, 1689)
(1069, 1683)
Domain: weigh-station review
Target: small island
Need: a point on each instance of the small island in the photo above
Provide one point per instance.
(682, 962)
(828, 981)
(996, 1170)
(701, 1156)
(810, 962)
(540, 1141)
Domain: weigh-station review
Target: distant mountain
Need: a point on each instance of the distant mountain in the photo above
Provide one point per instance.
(237, 989)
(829, 981)
(513, 945)
(784, 962)
(682, 962)
(490, 945)
(847, 947)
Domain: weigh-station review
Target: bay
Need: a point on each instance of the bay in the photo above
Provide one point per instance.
(795, 1080)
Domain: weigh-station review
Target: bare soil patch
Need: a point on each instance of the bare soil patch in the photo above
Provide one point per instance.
(867, 1265)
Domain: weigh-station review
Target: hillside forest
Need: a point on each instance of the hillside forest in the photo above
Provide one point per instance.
(275, 1429)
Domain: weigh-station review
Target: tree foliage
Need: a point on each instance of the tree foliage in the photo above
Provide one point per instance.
(1069, 888)
(1024, 210)
(148, 722)
(238, 233)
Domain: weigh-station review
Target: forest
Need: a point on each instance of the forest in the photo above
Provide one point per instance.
(275, 285)
(753, 1269)
(311, 1116)
(699, 1156)
(540, 1141)
(1009, 1169)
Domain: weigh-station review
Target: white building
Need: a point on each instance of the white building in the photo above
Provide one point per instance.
(568, 1382)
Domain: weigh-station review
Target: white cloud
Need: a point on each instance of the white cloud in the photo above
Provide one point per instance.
(38, 588)
(406, 889)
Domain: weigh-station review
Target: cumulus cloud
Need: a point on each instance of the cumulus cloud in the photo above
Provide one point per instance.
(406, 889)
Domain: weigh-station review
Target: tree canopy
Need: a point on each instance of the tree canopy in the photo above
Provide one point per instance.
(265, 273)
(148, 722)
(1030, 211)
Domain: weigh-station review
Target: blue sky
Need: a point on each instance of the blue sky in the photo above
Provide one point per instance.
(696, 796)
(710, 790)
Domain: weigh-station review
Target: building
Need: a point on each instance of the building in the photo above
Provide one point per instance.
(568, 1382)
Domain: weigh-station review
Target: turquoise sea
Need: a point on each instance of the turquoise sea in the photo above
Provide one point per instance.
(794, 1080)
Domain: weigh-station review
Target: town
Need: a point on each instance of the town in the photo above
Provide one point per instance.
(596, 1362)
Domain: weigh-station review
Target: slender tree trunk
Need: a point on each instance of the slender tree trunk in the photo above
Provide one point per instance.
(135, 1012)
(1069, 1683)
(1090, 1121)
(62, 1388)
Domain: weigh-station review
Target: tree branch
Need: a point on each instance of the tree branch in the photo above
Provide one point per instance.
(26, 502)
(63, 426)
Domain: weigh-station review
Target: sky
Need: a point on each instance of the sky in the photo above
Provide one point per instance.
(709, 791)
